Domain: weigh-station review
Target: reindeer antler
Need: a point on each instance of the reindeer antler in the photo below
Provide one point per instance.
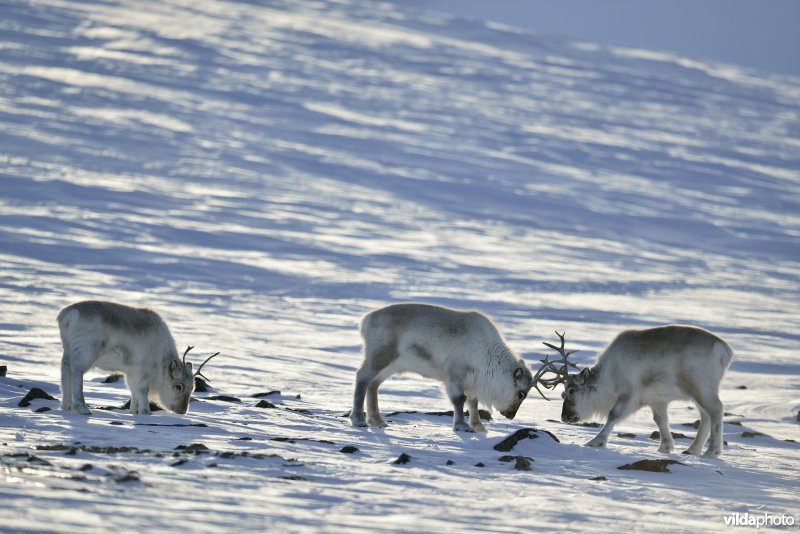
(186, 352)
(558, 367)
(198, 373)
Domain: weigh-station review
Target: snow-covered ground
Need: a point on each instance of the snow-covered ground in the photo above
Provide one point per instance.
(263, 175)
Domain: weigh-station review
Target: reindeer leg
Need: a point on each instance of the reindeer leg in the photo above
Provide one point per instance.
(662, 420)
(711, 404)
(474, 415)
(622, 409)
(457, 397)
(373, 412)
(78, 400)
(702, 433)
(364, 377)
(140, 391)
(66, 382)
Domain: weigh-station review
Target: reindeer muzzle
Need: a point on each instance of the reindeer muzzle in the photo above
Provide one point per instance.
(569, 418)
(509, 414)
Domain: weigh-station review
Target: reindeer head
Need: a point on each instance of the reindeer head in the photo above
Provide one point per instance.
(577, 391)
(522, 383)
(176, 391)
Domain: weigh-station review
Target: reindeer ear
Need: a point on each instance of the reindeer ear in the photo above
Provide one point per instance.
(518, 372)
(584, 375)
(174, 368)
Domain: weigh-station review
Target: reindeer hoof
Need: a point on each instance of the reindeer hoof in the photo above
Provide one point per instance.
(478, 428)
(691, 452)
(462, 427)
(597, 443)
(377, 421)
(82, 409)
(666, 449)
(358, 419)
(710, 454)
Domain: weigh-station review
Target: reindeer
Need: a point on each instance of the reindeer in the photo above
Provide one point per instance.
(133, 341)
(650, 367)
(463, 349)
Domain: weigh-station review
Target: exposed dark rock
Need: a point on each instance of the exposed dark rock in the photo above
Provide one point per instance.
(402, 459)
(27, 457)
(741, 387)
(3, 370)
(265, 404)
(43, 409)
(748, 434)
(34, 393)
(196, 448)
(92, 449)
(450, 462)
(86, 467)
(293, 477)
(626, 435)
(479, 464)
(523, 433)
(266, 394)
(695, 424)
(244, 438)
(790, 441)
(200, 385)
(154, 407)
(728, 414)
(523, 464)
(114, 377)
(600, 478)
(177, 424)
(484, 414)
(295, 440)
(300, 410)
(589, 425)
(734, 423)
(223, 398)
(798, 416)
(348, 449)
(130, 476)
(656, 466)
(118, 423)
(675, 435)
(179, 462)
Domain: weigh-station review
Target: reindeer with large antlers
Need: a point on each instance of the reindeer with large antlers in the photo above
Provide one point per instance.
(650, 367)
(133, 341)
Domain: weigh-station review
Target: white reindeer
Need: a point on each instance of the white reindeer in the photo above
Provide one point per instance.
(651, 368)
(463, 349)
(133, 341)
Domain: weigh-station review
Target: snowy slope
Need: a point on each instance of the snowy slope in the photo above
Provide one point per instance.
(263, 174)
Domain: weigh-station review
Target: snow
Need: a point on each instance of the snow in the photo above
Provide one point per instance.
(263, 175)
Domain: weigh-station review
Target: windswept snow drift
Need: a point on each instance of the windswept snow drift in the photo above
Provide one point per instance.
(264, 175)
